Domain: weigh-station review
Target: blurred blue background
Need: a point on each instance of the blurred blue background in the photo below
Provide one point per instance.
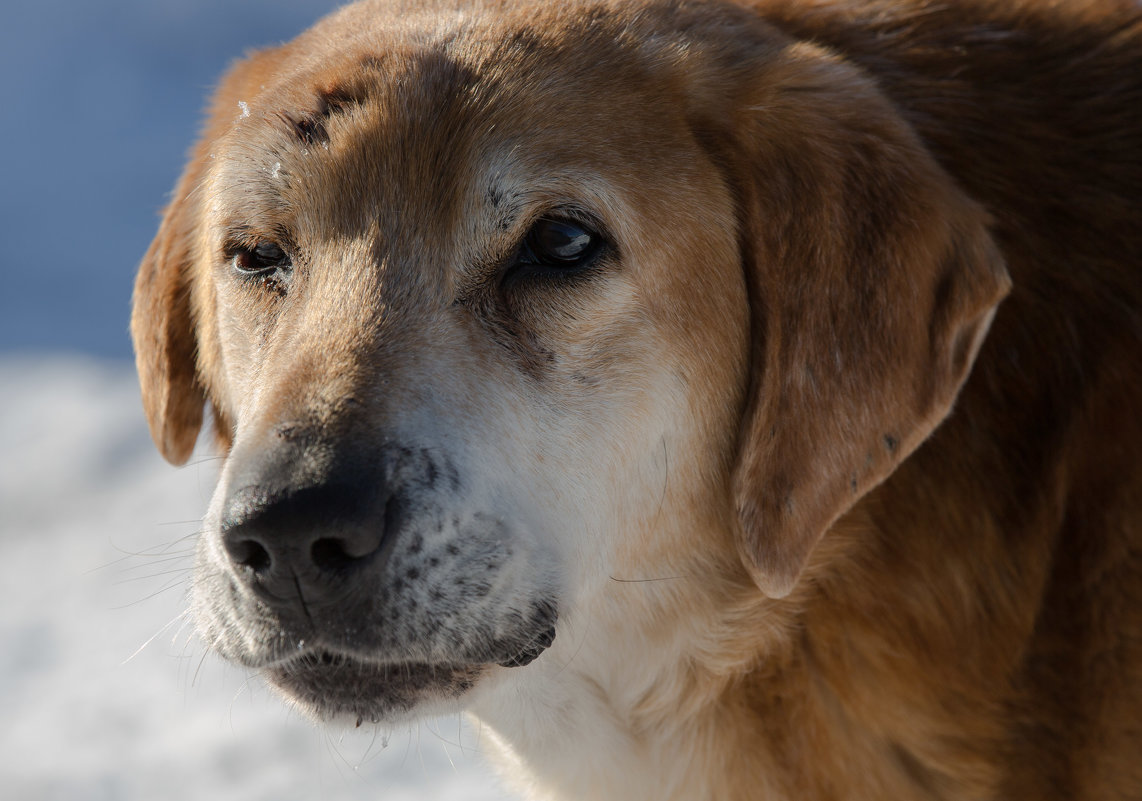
(100, 103)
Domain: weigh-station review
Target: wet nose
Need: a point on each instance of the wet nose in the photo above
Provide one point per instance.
(299, 536)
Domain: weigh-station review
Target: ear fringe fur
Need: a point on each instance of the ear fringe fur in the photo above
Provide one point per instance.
(872, 280)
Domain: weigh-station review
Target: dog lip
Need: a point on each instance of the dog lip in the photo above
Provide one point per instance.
(532, 650)
(331, 685)
(321, 658)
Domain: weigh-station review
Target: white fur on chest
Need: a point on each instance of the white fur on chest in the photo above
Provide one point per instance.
(603, 717)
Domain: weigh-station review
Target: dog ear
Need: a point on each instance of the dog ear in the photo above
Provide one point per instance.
(872, 282)
(163, 326)
(171, 340)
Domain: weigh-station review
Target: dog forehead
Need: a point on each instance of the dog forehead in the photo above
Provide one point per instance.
(403, 128)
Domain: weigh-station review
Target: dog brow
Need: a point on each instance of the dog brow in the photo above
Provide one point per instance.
(311, 127)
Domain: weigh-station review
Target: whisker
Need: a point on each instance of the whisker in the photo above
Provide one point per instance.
(151, 639)
(369, 756)
(151, 576)
(161, 567)
(407, 747)
(201, 661)
(163, 552)
(160, 557)
(578, 648)
(243, 687)
(170, 585)
(444, 740)
(447, 753)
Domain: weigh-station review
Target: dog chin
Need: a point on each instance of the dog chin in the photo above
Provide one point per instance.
(348, 690)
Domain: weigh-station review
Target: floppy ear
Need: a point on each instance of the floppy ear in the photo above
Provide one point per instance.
(163, 326)
(872, 282)
(171, 339)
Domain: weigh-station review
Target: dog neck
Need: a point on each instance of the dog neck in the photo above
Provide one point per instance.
(737, 696)
(646, 710)
(659, 712)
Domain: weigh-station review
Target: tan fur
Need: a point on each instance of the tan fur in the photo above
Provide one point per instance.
(798, 551)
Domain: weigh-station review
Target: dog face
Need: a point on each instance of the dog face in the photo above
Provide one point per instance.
(492, 309)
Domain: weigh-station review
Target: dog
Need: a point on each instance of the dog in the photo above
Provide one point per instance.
(718, 400)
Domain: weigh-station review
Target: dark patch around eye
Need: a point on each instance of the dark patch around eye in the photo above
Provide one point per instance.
(526, 283)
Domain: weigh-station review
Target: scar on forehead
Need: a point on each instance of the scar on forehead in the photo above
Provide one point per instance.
(311, 127)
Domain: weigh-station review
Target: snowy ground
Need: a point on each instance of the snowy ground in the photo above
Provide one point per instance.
(104, 692)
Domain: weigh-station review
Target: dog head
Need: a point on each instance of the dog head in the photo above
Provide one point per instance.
(490, 306)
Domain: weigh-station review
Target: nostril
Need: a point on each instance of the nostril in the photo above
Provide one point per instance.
(330, 554)
(337, 553)
(249, 553)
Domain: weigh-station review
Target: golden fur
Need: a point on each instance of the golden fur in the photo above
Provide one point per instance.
(797, 551)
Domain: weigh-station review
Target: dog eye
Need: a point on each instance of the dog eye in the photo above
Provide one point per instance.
(265, 257)
(559, 244)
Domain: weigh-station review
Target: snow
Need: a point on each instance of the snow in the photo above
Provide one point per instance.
(105, 693)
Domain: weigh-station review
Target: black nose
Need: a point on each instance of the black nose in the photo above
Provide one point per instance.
(299, 535)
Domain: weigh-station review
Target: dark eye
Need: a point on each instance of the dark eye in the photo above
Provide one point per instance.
(263, 258)
(560, 244)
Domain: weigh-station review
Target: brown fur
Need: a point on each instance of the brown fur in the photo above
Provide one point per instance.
(897, 580)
